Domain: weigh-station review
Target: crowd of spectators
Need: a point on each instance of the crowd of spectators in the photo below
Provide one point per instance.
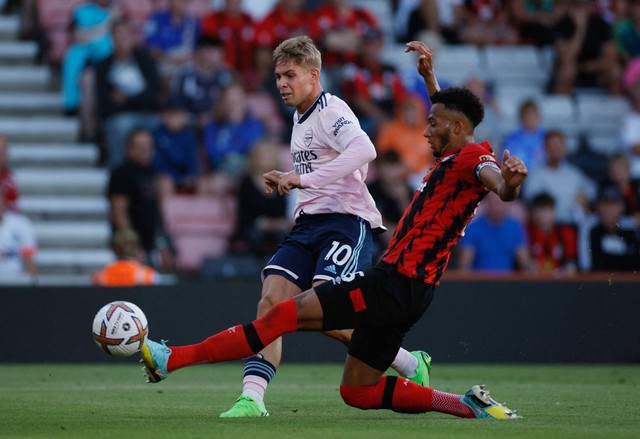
(189, 106)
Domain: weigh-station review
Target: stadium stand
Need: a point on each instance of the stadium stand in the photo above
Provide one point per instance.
(62, 191)
(199, 227)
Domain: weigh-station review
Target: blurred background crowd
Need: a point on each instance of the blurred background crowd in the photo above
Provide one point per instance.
(174, 106)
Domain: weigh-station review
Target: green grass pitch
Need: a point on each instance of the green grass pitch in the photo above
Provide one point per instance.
(111, 400)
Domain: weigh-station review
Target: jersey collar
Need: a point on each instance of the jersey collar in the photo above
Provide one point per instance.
(305, 116)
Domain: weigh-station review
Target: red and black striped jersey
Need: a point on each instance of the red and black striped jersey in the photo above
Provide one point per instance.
(440, 210)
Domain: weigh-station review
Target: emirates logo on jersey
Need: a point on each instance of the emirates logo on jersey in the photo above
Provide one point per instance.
(308, 138)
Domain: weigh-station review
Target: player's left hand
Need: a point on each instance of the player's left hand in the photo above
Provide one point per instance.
(513, 169)
(290, 180)
(425, 58)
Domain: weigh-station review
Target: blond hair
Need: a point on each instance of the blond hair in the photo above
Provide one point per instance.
(300, 50)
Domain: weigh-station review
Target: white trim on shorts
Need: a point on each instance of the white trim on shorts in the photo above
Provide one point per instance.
(277, 267)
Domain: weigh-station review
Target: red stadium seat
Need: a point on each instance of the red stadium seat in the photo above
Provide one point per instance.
(54, 18)
(199, 226)
(199, 8)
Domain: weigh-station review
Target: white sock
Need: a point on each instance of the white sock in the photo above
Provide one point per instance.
(254, 387)
(405, 363)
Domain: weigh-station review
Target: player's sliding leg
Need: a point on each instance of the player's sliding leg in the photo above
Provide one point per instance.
(259, 370)
(302, 313)
(366, 388)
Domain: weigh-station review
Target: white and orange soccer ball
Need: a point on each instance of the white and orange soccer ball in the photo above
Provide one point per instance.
(120, 328)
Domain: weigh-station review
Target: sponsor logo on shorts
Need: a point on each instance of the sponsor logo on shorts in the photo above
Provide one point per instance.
(331, 269)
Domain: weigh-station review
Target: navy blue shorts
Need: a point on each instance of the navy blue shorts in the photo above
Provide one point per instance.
(322, 247)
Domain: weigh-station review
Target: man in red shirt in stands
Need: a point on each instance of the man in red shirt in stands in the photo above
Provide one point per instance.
(238, 31)
(7, 182)
(382, 302)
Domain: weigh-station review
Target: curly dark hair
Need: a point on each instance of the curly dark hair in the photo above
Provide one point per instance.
(463, 100)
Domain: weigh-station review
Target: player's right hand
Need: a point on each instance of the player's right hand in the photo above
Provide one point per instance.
(272, 180)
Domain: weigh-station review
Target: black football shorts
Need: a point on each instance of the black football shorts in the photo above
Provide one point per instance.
(380, 305)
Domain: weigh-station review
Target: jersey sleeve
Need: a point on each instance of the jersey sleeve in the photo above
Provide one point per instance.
(340, 125)
(476, 158)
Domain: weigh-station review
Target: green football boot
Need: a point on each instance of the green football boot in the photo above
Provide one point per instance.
(424, 368)
(245, 407)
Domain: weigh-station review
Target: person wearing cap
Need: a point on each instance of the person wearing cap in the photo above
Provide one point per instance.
(614, 245)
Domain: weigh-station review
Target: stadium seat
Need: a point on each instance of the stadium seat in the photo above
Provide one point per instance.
(601, 115)
(605, 145)
(137, 11)
(515, 65)
(509, 98)
(199, 227)
(559, 112)
(54, 17)
(454, 64)
(199, 8)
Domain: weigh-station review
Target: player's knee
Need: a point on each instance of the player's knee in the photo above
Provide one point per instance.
(362, 397)
(270, 299)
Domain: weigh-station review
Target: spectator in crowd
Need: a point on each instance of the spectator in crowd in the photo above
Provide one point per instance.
(91, 43)
(8, 186)
(614, 243)
(553, 246)
(340, 27)
(127, 270)
(494, 241)
(261, 220)
(198, 85)
(176, 158)
(585, 51)
(566, 183)
(631, 121)
(391, 192)
(535, 20)
(527, 140)
(127, 91)
(404, 137)
(229, 137)
(170, 36)
(619, 175)
(424, 16)
(237, 29)
(627, 33)
(486, 22)
(439, 16)
(133, 199)
(373, 88)
(288, 19)
(17, 243)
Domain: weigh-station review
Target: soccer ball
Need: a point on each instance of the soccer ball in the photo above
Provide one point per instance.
(120, 328)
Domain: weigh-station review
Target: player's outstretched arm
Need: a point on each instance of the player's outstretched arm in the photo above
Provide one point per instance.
(425, 65)
(506, 182)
